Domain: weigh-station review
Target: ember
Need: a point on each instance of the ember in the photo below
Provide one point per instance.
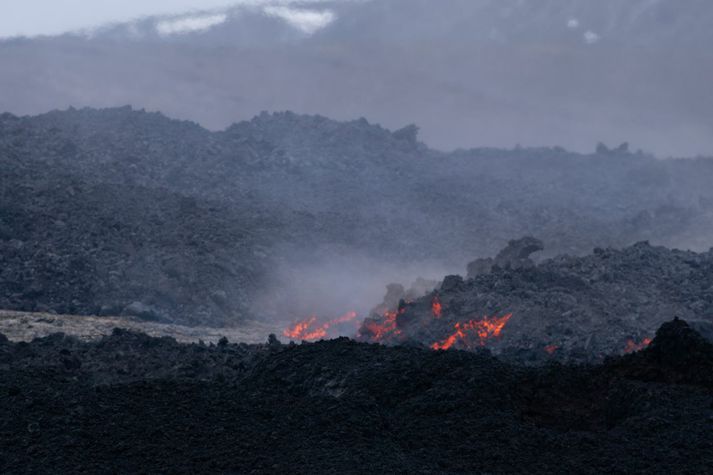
(466, 332)
(311, 329)
(550, 349)
(436, 307)
(632, 346)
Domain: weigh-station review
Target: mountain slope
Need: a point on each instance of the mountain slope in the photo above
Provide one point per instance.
(165, 207)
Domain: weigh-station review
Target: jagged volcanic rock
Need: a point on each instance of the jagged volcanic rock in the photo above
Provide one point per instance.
(582, 308)
(678, 354)
(124, 211)
(130, 403)
(515, 256)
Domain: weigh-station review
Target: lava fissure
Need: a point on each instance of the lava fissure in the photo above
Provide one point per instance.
(311, 328)
(632, 346)
(473, 332)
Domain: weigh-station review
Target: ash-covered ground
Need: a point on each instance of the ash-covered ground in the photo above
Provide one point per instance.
(130, 403)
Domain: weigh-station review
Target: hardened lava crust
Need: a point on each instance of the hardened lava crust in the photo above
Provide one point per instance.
(131, 403)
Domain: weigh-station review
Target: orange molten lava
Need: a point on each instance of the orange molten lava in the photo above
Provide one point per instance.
(484, 329)
(551, 349)
(379, 330)
(311, 329)
(632, 346)
(436, 307)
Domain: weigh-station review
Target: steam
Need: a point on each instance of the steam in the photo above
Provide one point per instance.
(331, 282)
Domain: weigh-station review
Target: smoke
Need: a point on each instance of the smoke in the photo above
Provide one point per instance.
(332, 281)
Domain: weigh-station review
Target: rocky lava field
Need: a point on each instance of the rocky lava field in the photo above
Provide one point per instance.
(567, 308)
(575, 361)
(124, 212)
(131, 403)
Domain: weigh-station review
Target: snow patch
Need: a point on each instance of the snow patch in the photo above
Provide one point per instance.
(190, 24)
(307, 21)
(590, 37)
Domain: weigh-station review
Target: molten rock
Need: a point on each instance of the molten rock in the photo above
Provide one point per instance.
(565, 308)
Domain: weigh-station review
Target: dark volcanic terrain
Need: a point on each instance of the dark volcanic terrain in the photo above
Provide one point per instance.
(120, 211)
(130, 403)
(203, 291)
(566, 308)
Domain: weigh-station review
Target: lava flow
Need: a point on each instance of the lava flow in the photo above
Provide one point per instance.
(632, 346)
(484, 329)
(436, 307)
(311, 329)
(377, 331)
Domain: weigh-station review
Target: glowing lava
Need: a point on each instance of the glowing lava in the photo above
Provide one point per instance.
(465, 332)
(436, 307)
(550, 349)
(632, 346)
(311, 329)
(377, 331)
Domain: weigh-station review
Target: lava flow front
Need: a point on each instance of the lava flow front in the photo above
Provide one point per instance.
(466, 332)
(632, 346)
(377, 331)
(312, 329)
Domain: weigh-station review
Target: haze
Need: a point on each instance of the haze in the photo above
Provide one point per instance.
(469, 73)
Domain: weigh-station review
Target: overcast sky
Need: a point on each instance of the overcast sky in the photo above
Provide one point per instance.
(52, 17)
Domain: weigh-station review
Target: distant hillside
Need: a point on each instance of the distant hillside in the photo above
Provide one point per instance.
(469, 72)
(124, 211)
